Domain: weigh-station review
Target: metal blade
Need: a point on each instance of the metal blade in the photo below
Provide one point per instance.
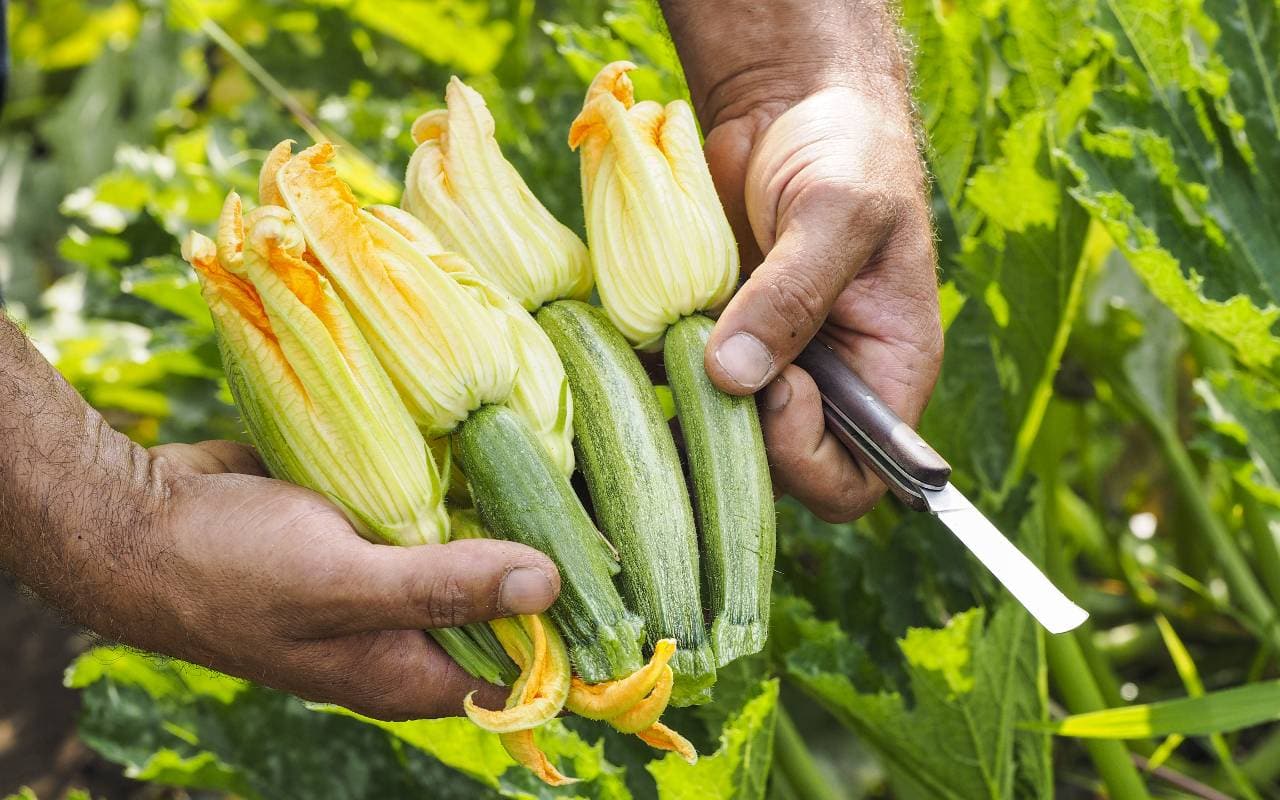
(1014, 570)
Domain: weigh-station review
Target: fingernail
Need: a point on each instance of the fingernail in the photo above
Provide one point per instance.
(746, 360)
(525, 591)
(777, 395)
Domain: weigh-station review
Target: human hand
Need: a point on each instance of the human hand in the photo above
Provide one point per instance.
(811, 142)
(827, 196)
(267, 581)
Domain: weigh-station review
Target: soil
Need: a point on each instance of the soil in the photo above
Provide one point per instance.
(38, 743)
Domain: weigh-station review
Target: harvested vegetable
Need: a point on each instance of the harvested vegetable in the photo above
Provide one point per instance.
(663, 252)
(434, 350)
(463, 189)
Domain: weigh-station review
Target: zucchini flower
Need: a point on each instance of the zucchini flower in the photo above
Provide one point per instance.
(541, 394)
(320, 409)
(473, 200)
(447, 352)
(661, 246)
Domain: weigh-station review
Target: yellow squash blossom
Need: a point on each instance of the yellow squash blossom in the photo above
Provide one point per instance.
(320, 409)
(541, 392)
(661, 246)
(446, 351)
(476, 204)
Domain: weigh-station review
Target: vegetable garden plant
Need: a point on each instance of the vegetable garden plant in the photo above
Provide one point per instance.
(1105, 189)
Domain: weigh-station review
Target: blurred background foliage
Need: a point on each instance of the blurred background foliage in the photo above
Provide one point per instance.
(1105, 188)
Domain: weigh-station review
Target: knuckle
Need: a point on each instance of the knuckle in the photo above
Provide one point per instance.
(866, 207)
(796, 299)
(445, 602)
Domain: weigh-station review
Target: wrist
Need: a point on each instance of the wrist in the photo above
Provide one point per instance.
(76, 497)
(741, 57)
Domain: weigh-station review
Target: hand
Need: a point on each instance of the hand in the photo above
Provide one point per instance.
(264, 580)
(826, 194)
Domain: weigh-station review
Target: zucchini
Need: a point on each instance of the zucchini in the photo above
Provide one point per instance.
(732, 493)
(637, 487)
(522, 496)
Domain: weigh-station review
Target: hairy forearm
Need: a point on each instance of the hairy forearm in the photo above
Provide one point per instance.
(741, 53)
(74, 493)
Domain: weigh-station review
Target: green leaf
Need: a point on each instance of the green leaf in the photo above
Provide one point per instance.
(739, 768)
(459, 744)
(454, 33)
(202, 771)
(1247, 408)
(942, 718)
(970, 683)
(1023, 276)
(184, 725)
(1180, 174)
(1216, 712)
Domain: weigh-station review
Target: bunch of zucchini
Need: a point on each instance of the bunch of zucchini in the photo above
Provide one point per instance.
(462, 318)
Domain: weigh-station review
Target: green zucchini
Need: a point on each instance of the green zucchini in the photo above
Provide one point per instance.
(732, 493)
(637, 486)
(522, 496)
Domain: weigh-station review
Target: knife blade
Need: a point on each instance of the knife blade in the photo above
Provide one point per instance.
(920, 478)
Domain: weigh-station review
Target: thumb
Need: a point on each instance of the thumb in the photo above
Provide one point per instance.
(433, 586)
(822, 243)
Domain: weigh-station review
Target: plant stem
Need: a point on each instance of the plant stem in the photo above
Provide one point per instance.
(1265, 552)
(1235, 566)
(1075, 684)
(796, 763)
(1263, 764)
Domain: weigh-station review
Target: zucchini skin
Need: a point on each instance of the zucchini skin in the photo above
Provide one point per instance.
(522, 496)
(637, 486)
(732, 493)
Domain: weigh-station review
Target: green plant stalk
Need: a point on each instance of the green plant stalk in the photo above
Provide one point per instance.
(1265, 553)
(796, 764)
(1065, 578)
(732, 494)
(1262, 766)
(1235, 566)
(1075, 684)
(522, 496)
(1073, 675)
(476, 649)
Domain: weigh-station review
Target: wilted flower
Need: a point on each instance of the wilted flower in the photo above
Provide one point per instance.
(660, 244)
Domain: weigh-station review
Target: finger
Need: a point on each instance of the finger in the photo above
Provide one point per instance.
(828, 233)
(209, 458)
(807, 461)
(728, 151)
(388, 675)
(367, 587)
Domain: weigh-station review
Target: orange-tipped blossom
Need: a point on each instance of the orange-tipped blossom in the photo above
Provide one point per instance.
(434, 337)
(661, 246)
(540, 393)
(646, 713)
(321, 411)
(661, 737)
(607, 700)
(471, 199)
(540, 692)
(521, 746)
